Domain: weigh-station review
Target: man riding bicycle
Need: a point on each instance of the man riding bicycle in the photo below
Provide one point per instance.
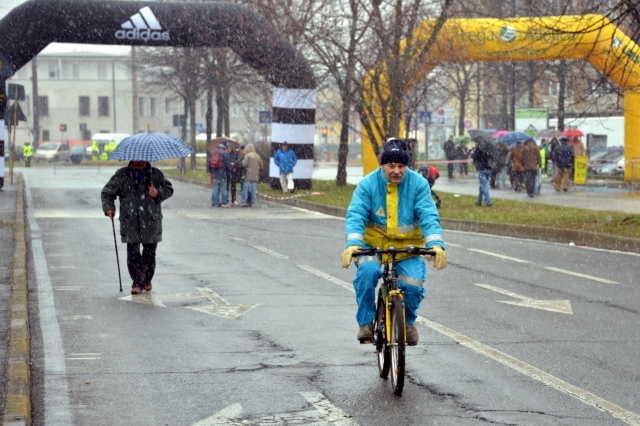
(392, 206)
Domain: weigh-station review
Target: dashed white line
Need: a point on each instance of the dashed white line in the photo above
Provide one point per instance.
(233, 237)
(515, 259)
(68, 288)
(270, 252)
(577, 274)
(514, 363)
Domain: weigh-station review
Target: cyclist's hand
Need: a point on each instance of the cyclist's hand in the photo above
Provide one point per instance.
(440, 261)
(110, 214)
(347, 255)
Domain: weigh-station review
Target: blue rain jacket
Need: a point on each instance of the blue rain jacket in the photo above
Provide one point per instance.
(382, 213)
(285, 160)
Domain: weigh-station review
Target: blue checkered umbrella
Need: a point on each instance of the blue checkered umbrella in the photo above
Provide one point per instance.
(150, 147)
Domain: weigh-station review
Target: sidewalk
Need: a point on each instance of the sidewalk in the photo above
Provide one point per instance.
(598, 195)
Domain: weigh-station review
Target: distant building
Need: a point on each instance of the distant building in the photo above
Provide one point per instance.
(93, 92)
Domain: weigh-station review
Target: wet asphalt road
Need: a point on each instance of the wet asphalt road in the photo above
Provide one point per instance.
(293, 358)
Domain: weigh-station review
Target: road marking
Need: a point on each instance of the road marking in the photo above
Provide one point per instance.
(529, 370)
(325, 413)
(453, 245)
(57, 409)
(577, 274)
(327, 277)
(536, 374)
(271, 252)
(77, 317)
(68, 288)
(233, 237)
(220, 307)
(561, 306)
(83, 356)
(515, 259)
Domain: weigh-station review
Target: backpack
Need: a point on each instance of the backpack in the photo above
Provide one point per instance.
(215, 162)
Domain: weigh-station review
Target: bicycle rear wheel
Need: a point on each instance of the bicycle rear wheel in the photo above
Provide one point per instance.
(380, 334)
(397, 346)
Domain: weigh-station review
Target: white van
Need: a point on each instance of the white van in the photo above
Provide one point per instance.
(105, 138)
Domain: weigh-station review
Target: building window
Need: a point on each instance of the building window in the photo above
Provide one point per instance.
(45, 136)
(102, 72)
(43, 106)
(84, 106)
(152, 107)
(141, 106)
(54, 71)
(76, 71)
(103, 106)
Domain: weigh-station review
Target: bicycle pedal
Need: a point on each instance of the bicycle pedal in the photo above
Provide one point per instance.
(365, 341)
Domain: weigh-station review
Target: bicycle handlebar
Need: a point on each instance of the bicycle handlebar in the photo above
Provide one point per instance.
(393, 250)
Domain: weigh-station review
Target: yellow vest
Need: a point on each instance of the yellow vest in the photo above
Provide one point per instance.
(27, 151)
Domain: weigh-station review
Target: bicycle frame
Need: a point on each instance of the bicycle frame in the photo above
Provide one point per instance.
(390, 279)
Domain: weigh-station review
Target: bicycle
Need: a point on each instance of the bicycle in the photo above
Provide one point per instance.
(389, 329)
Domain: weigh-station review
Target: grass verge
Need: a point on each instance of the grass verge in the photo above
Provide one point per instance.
(462, 207)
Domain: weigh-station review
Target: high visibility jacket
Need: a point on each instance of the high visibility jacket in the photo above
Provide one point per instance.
(383, 214)
(543, 155)
(94, 148)
(27, 151)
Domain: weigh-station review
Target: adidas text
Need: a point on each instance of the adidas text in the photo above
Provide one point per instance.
(136, 34)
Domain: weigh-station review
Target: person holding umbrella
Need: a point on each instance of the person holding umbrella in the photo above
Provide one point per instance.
(141, 189)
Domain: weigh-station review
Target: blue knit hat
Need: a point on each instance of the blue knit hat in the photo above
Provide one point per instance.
(394, 151)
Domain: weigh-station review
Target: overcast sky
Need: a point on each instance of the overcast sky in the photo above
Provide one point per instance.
(7, 5)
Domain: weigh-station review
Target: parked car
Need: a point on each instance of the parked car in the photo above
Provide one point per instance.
(77, 154)
(610, 169)
(52, 151)
(610, 157)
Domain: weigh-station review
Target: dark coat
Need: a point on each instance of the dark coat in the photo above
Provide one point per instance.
(563, 156)
(140, 215)
(449, 148)
(516, 159)
(481, 159)
(225, 171)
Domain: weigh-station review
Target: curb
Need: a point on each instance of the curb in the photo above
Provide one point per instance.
(531, 232)
(17, 403)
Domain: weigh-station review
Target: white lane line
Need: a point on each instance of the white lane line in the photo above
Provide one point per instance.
(57, 409)
(328, 412)
(536, 374)
(270, 252)
(327, 277)
(233, 237)
(577, 274)
(520, 366)
(453, 245)
(77, 317)
(83, 358)
(515, 259)
(68, 288)
(86, 354)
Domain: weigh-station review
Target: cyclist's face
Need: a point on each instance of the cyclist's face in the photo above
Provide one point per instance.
(394, 171)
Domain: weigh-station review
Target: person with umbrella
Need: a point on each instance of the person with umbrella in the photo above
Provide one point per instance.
(141, 189)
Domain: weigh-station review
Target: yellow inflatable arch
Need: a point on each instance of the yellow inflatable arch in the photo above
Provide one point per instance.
(590, 37)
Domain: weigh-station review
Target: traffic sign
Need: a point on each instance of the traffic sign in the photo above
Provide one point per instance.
(265, 117)
(63, 127)
(13, 88)
(199, 127)
(441, 121)
(468, 124)
(425, 117)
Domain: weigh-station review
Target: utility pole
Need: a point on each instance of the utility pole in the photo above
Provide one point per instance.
(113, 79)
(36, 112)
(134, 88)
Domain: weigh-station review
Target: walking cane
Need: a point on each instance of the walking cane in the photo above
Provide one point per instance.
(115, 242)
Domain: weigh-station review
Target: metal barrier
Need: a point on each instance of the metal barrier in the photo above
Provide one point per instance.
(632, 163)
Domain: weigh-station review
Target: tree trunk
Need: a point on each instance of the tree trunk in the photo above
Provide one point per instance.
(562, 88)
(343, 150)
(220, 112)
(512, 97)
(192, 130)
(226, 91)
(209, 115)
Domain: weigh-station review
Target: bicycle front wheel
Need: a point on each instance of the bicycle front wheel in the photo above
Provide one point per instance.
(384, 354)
(397, 345)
